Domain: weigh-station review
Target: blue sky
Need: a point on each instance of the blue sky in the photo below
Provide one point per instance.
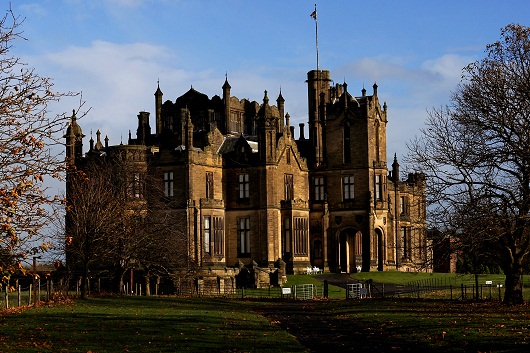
(114, 51)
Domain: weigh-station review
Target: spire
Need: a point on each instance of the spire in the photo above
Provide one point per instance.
(99, 145)
(395, 169)
(226, 84)
(158, 91)
(280, 97)
(158, 108)
(91, 141)
(227, 108)
(281, 107)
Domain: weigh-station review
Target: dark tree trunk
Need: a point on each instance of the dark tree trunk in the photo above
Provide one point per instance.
(513, 293)
(147, 284)
(122, 282)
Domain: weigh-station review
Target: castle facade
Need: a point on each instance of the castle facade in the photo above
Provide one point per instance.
(253, 196)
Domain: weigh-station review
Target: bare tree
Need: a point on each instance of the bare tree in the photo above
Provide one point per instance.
(117, 220)
(476, 152)
(28, 134)
(95, 212)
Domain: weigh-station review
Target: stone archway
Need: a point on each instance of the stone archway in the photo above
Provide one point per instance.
(350, 250)
(380, 246)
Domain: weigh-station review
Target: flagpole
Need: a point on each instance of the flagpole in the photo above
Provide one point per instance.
(316, 36)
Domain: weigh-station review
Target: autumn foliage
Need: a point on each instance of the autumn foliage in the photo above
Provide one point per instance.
(28, 134)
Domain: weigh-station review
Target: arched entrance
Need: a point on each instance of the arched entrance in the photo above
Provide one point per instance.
(379, 244)
(350, 250)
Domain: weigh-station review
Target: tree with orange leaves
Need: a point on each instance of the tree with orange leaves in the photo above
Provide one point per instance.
(28, 134)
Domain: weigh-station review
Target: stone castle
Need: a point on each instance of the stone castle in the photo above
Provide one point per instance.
(254, 197)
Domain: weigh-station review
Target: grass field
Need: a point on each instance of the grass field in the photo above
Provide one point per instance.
(455, 279)
(154, 324)
(143, 324)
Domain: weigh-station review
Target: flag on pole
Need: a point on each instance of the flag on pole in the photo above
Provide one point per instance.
(314, 14)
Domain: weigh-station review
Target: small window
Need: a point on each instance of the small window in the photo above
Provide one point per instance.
(348, 187)
(318, 188)
(244, 186)
(288, 156)
(288, 187)
(209, 185)
(404, 242)
(207, 235)
(168, 184)
(244, 237)
(218, 234)
(378, 187)
(403, 205)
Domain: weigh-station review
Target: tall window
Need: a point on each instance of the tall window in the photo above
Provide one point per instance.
(318, 188)
(244, 236)
(168, 184)
(135, 187)
(403, 205)
(209, 185)
(288, 187)
(348, 187)
(218, 235)
(286, 235)
(207, 234)
(288, 156)
(244, 186)
(378, 187)
(346, 143)
(300, 235)
(404, 242)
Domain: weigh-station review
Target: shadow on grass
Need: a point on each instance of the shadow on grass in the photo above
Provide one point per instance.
(404, 325)
(143, 324)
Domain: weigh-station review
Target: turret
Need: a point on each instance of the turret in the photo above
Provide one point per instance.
(281, 105)
(226, 102)
(267, 125)
(318, 95)
(158, 109)
(187, 128)
(144, 129)
(74, 141)
(395, 170)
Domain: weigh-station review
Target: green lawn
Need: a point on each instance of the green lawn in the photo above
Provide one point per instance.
(155, 324)
(143, 324)
(455, 279)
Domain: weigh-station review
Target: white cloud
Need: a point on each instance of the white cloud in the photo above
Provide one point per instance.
(119, 80)
(409, 90)
(33, 9)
